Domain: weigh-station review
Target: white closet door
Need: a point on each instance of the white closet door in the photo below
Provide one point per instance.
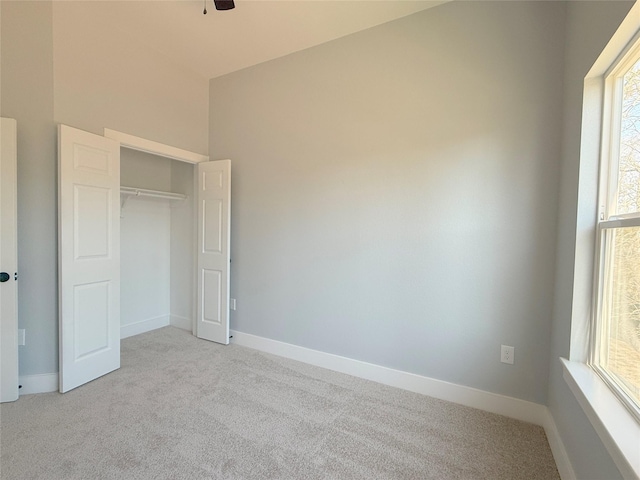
(214, 212)
(89, 256)
(8, 263)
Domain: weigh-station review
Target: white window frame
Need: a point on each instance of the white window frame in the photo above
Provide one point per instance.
(607, 220)
(617, 427)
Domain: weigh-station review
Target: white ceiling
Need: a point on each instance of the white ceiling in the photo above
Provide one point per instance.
(254, 32)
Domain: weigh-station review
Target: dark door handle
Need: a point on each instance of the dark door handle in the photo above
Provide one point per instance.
(4, 277)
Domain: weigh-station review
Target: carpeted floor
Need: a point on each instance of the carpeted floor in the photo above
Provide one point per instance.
(183, 408)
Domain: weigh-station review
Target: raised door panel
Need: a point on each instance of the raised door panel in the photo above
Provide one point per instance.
(211, 287)
(92, 211)
(91, 322)
(212, 229)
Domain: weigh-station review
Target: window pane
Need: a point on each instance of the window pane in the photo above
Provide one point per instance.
(620, 353)
(629, 165)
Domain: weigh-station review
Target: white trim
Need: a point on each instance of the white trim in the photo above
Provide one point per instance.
(43, 383)
(183, 323)
(617, 428)
(149, 146)
(619, 44)
(620, 223)
(560, 455)
(471, 397)
(143, 326)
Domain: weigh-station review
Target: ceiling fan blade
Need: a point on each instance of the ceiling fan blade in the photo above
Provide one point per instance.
(224, 4)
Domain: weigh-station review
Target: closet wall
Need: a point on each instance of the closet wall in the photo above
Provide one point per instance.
(182, 249)
(157, 265)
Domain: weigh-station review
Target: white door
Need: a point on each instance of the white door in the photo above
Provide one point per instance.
(89, 256)
(214, 209)
(8, 263)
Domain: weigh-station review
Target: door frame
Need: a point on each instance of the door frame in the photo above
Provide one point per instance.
(140, 144)
(156, 148)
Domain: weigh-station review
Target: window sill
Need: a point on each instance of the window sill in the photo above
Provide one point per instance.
(616, 427)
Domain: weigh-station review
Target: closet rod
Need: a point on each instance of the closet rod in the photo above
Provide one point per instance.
(143, 192)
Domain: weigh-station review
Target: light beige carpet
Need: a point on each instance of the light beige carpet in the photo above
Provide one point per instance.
(183, 408)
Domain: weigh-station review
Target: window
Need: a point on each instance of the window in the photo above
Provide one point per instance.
(601, 371)
(615, 350)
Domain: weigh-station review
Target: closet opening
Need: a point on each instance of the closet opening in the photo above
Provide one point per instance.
(170, 210)
(157, 243)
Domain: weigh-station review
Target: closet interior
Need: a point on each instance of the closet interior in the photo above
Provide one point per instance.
(157, 235)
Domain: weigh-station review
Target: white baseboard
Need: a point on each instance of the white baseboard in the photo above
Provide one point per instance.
(468, 396)
(143, 326)
(557, 448)
(43, 383)
(183, 323)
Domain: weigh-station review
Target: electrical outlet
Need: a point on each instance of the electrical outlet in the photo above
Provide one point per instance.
(21, 336)
(507, 354)
(232, 303)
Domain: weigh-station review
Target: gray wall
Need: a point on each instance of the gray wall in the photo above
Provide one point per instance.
(183, 288)
(144, 170)
(104, 79)
(589, 27)
(63, 65)
(27, 96)
(394, 193)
